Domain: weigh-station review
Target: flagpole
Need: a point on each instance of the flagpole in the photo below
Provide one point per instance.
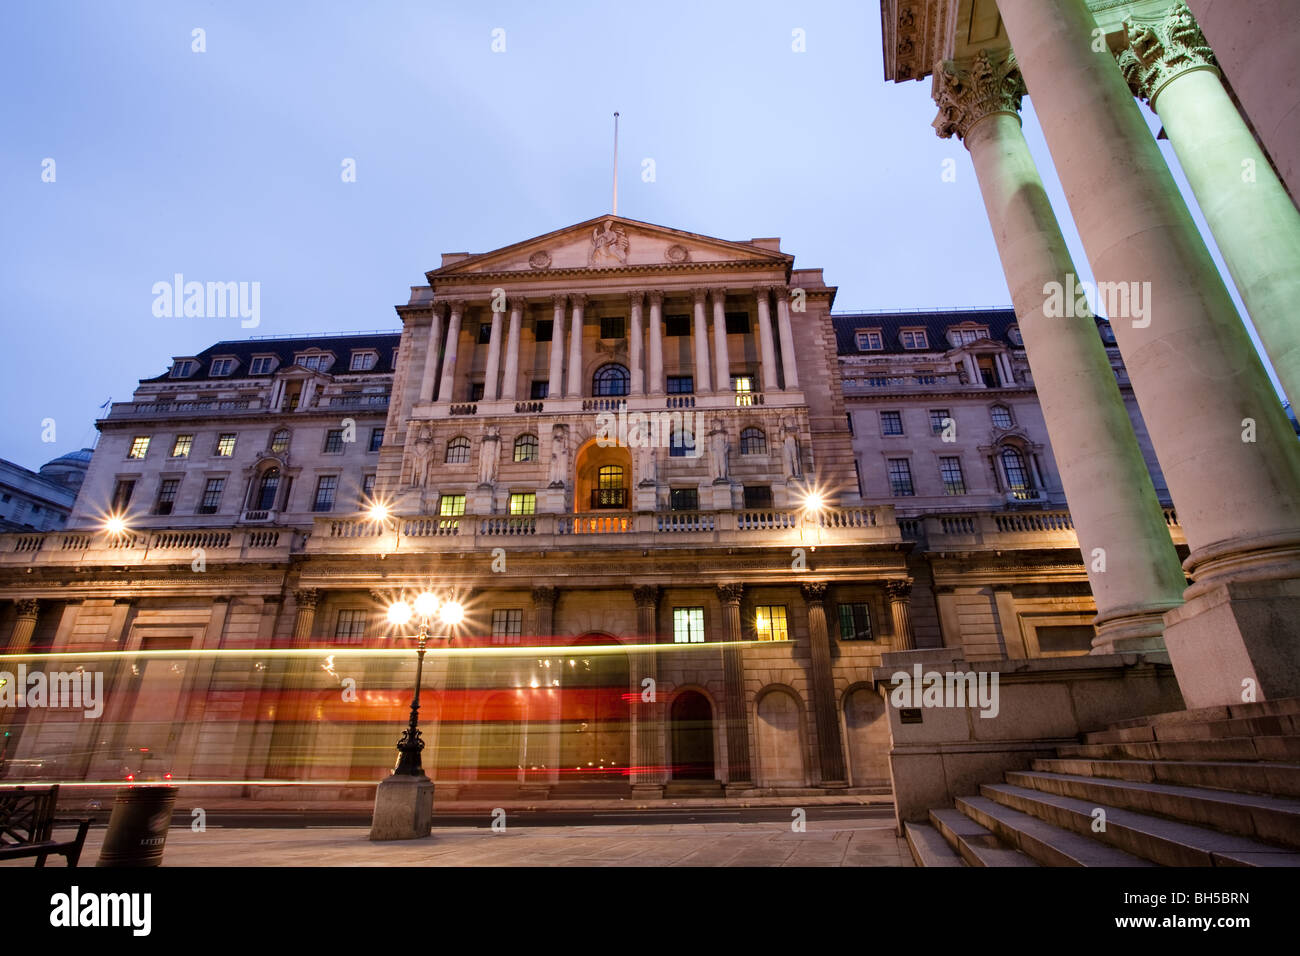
(616, 164)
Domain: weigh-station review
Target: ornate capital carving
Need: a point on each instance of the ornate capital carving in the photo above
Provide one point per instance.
(27, 607)
(730, 593)
(545, 596)
(579, 299)
(718, 295)
(814, 593)
(634, 299)
(306, 597)
(1162, 48)
(560, 300)
(646, 595)
(898, 590)
(517, 303)
(991, 84)
(698, 295)
(656, 297)
(439, 309)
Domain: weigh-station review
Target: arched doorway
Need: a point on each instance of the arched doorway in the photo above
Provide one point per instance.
(594, 729)
(691, 719)
(866, 731)
(500, 739)
(780, 740)
(602, 479)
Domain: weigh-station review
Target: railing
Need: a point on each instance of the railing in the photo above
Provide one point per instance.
(140, 547)
(184, 408)
(1005, 529)
(680, 401)
(357, 401)
(512, 526)
(431, 527)
(595, 524)
(528, 408)
(1041, 521)
(188, 540)
(683, 521)
(257, 514)
(611, 404)
(464, 408)
(609, 498)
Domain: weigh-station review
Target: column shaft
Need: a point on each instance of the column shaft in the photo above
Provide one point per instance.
(430, 378)
(20, 638)
(830, 747)
(721, 359)
(446, 389)
(510, 377)
(555, 376)
(492, 375)
(656, 385)
(634, 343)
(739, 774)
(575, 387)
(899, 593)
(701, 346)
(786, 334)
(766, 347)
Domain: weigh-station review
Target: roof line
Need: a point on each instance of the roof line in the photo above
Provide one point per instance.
(316, 335)
(947, 311)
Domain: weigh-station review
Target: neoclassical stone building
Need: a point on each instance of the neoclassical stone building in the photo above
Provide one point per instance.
(662, 479)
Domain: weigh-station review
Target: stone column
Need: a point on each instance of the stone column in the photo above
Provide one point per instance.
(647, 713)
(492, 374)
(701, 344)
(305, 599)
(656, 384)
(1226, 447)
(1092, 435)
(739, 774)
(634, 343)
(430, 378)
(447, 387)
(830, 747)
(574, 390)
(543, 599)
(786, 334)
(899, 593)
(766, 347)
(1255, 223)
(721, 359)
(544, 610)
(20, 638)
(555, 377)
(510, 377)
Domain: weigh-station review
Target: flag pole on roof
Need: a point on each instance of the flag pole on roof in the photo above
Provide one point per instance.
(615, 164)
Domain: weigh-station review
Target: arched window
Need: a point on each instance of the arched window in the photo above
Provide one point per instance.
(526, 448)
(610, 380)
(753, 441)
(458, 450)
(1001, 416)
(266, 490)
(280, 441)
(609, 491)
(1013, 463)
(681, 441)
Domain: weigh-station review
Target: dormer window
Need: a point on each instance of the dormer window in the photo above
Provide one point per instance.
(221, 367)
(262, 365)
(363, 361)
(1013, 334)
(317, 361)
(869, 340)
(914, 339)
(1107, 334)
(960, 337)
(184, 368)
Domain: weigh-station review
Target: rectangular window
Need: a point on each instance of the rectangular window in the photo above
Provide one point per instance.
(221, 367)
(891, 423)
(475, 391)
(953, 481)
(900, 477)
(225, 445)
(122, 496)
(325, 488)
(684, 499)
(611, 326)
(758, 496)
(181, 447)
(523, 503)
(363, 361)
(211, 500)
(737, 323)
(484, 333)
(333, 441)
(376, 438)
(451, 506)
(869, 341)
(681, 443)
(743, 386)
(545, 330)
(938, 419)
(539, 390)
(351, 625)
(184, 369)
(166, 496)
(855, 622)
(367, 488)
(849, 416)
(262, 365)
(139, 447)
(681, 384)
(914, 339)
(688, 625)
(507, 624)
(857, 473)
(769, 623)
(677, 325)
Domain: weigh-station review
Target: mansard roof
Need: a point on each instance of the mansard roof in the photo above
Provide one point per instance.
(284, 349)
(936, 325)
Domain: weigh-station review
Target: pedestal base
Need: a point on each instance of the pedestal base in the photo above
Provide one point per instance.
(718, 496)
(550, 501)
(403, 808)
(1236, 637)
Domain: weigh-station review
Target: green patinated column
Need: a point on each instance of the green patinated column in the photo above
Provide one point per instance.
(1256, 225)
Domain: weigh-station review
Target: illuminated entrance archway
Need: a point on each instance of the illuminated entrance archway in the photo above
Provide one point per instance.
(594, 728)
(602, 479)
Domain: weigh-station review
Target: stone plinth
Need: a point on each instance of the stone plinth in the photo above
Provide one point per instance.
(403, 808)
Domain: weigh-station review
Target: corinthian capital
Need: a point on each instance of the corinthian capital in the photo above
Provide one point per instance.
(991, 84)
(1162, 48)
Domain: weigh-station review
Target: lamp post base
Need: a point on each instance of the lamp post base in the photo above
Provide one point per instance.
(403, 808)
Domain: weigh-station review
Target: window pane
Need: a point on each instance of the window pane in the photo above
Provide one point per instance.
(325, 487)
(891, 423)
(526, 448)
(376, 438)
(770, 624)
(139, 447)
(334, 440)
(688, 625)
(900, 476)
(523, 504)
(684, 499)
(451, 505)
(225, 445)
(458, 451)
(507, 624)
(953, 481)
(610, 380)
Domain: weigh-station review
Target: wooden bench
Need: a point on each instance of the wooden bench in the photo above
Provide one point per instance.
(26, 824)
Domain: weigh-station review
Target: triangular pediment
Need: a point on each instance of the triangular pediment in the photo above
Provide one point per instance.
(609, 242)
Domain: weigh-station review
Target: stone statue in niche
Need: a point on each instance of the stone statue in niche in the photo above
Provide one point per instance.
(719, 449)
(609, 245)
(559, 456)
(790, 449)
(489, 455)
(421, 456)
(648, 465)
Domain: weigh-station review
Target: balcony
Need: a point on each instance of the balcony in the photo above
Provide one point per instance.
(1005, 530)
(603, 499)
(146, 547)
(589, 404)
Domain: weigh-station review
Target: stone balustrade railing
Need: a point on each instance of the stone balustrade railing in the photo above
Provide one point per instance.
(164, 546)
(1005, 529)
(592, 405)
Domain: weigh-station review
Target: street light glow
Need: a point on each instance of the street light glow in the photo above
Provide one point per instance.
(814, 501)
(399, 613)
(379, 512)
(452, 613)
(115, 524)
(426, 604)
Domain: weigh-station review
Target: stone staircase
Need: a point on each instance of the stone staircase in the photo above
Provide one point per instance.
(1219, 786)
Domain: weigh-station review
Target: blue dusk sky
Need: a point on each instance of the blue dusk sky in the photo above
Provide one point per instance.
(225, 165)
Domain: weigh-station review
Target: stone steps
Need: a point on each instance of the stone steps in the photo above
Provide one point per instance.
(928, 846)
(977, 845)
(1282, 779)
(1049, 845)
(1283, 749)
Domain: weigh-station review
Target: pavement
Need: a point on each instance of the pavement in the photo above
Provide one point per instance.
(868, 840)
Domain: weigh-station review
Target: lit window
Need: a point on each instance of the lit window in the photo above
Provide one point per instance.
(891, 423)
(333, 441)
(953, 481)
(457, 451)
(225, 445)
(609, 491)
(507, 624)
(753, 441)
(166, 496)
(376, 438)
(211, 496)
(914, 339)
(184, 368)
(688, 625)
(869, 341)
(139, 447)
(743, 386)
(1001, 416)
(280, 441)
(181, 447)
(351, 625)
(262, 365)
(326, 485)
(523, 503)
(451, 506)
(900, 477)
(526, 448)
(855, 622)
(363, 361)
(222, 366)
(769, 623)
